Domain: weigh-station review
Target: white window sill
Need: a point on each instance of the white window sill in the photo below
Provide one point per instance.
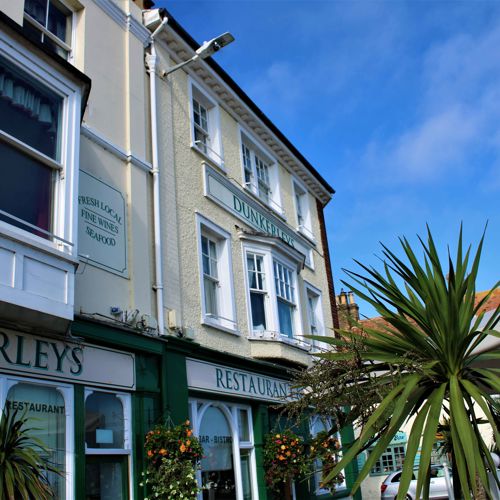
(218, 325)
(306, 233)
(278, 212)
(36, 242)
(267, 335)
(218, 163)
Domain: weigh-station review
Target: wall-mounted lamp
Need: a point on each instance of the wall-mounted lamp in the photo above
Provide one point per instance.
(205, 50)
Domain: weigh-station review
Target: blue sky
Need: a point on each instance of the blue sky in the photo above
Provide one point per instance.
(397, 105)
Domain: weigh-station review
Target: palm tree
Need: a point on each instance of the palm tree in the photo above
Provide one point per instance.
(430, 336)
(23, 466)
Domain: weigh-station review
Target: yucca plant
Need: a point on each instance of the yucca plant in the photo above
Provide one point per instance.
(23, 466)
(431, 335)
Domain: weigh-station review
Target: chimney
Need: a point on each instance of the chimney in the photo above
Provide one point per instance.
(347, 307)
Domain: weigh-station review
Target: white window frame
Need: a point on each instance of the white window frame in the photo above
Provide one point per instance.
(66, 391)
(258, 151)
(198, 407)
(213, 150)
(126, 401)
(326, 422)
(68, 47)
(302, 210)
(226, 317)
(65, 213)
(272, 330)
(315, 293)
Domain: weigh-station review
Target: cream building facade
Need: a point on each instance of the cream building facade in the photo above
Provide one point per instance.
(162, 249)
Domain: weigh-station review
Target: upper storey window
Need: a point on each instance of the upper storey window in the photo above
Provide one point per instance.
(49, 22)
(30, 140)
(205, 129)
(260, 174)
(302, 210)
(39, 124)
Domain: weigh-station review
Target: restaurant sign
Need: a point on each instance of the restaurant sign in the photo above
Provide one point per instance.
(210, 377)
(45, 357)
(102, 230)
(243, 206)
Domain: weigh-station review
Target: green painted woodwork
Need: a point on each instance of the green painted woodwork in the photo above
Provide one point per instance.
(174, 386)
(261, 427)
(79, 444)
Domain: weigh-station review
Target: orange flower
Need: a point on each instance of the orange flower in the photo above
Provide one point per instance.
(182, 448)
(189, 432)
(288, 453)
(188, 442)
(163, 451)
(281, 457)
(150, 453)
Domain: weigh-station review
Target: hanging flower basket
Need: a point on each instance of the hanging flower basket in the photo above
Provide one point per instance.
(173, 455)
(324, 451)
(284, 460)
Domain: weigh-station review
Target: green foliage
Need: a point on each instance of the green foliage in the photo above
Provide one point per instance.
(324, 451)
(23, 467)
(284, 459)
(426, 357)
(173, 454)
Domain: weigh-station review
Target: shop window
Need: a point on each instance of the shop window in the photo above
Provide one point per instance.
(302, 210)
(49, 22)
(391, 460)
(107, 444)
(273, 303)
(228, 466)
(104, 421)
(317, 425)
(216, 280)
(260, 173)
(205, 126)
(48, 409)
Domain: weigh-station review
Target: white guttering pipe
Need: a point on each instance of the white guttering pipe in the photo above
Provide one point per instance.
(151, 62)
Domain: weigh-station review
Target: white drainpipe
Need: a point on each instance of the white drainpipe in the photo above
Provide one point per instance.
(151, 62)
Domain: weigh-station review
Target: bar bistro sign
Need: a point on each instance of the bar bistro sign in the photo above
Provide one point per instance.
(209, 377)
(233, 199)
(49, 358)
(102, 237)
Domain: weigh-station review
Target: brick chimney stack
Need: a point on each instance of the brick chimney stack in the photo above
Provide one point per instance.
(347, 308)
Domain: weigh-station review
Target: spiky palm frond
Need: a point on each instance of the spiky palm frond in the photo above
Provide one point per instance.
(23, 468)
(431, 320)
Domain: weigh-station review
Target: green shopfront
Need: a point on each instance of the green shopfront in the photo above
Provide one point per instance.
(96, 394)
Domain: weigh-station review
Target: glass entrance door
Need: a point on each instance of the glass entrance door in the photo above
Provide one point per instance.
(106, 477)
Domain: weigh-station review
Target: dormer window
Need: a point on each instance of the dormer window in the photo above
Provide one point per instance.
(49, 22)
(260, 174)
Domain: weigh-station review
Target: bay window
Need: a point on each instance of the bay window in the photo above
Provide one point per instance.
(272, 296)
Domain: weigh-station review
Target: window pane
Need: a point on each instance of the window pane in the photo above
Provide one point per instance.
(29, 111)
(258, 311)
(26, 190)
(246, 474)
(285, 313)
(217, 470)
(104, 421)
(37, 9)
(105, 478)
(210, 290)
(46, 410)
(58, 20)
(243, 427)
